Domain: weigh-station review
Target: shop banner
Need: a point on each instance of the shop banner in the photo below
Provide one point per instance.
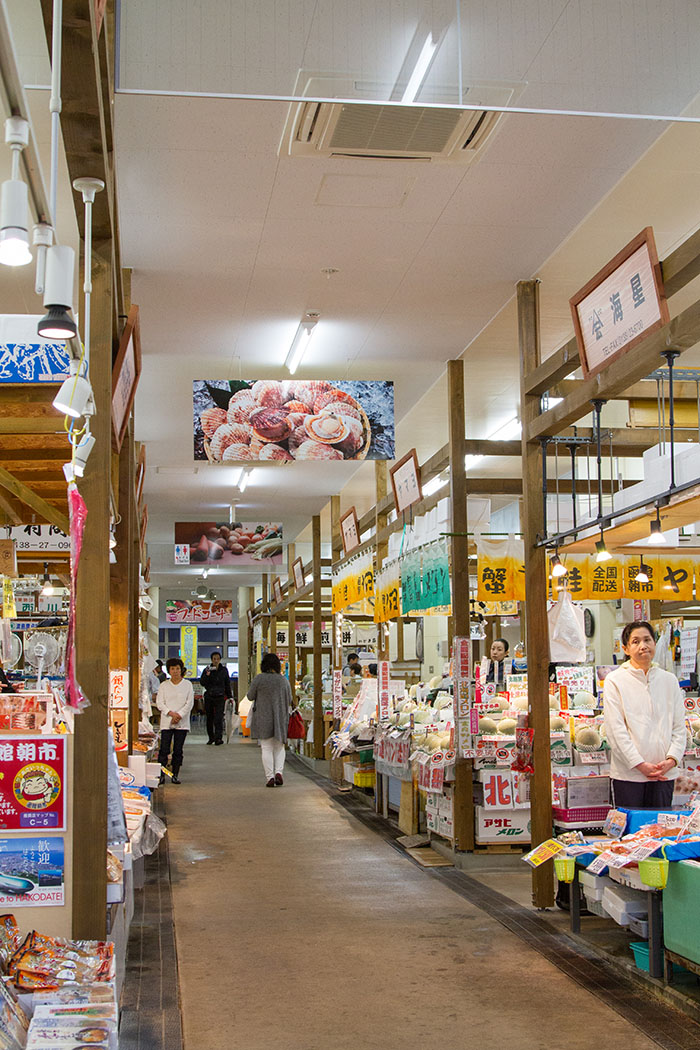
(353, 582)
(500, 569)
(516, 555)
(27, 358)
(435, 581)
(32, 783)
(40, 538)
(675, 576)
(188, 650)
(337, 694)
(249, 544)
(410, 568)
(387, 598)
(284, 420)
(119, 688)
(32, 872)
(605, 579)
(198, 611)
(9, 608)
(383, 689)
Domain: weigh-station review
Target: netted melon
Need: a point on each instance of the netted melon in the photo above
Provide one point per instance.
(487, 725)
(507, 726)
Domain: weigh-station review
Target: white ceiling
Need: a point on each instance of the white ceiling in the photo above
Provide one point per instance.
(228, 240)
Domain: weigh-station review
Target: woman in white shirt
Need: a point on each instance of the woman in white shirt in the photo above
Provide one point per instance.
(174, 701)
(644, 724)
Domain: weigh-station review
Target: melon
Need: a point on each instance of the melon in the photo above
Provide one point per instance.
(487, 725)
(507, 726)
(556, 724)
(584, 699)
(587, 736)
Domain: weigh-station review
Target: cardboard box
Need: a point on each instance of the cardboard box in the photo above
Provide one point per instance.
(506, 825)
(587, 791)
(560, 749)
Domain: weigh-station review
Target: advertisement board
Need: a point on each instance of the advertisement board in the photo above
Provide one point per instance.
(272, 420)
(32, 872)
(32, 783)
(181, 610)
(243, 543)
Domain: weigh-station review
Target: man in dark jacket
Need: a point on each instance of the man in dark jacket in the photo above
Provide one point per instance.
(217, 687)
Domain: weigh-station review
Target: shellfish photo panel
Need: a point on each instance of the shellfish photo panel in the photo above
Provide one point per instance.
(280, 420)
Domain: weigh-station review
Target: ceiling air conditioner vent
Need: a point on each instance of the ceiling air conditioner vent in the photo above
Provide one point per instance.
(404, 132)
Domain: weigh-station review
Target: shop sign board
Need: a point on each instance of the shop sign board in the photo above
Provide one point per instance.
(277, 591)
(8, 558)
(337, 694)
(620, 306)
(50, 603)
(461, 653)
(188, 650)
(40, 538)
(27, 358)
(125, 376)
(298, 573)
(119, 687)
(33, 872)
(32, 785)
(193, 611)
(384, 689)
(119, 724)
(350, 530)
(358, 423)
(405, 481)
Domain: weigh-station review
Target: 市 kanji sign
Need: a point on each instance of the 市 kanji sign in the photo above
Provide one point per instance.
(621, 305)
(32, 784)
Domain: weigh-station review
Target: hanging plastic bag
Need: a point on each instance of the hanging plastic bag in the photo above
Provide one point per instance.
(664, 653)
(567, 637)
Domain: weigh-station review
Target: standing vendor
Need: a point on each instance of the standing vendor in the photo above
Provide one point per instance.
(644, 724)
(498, 666)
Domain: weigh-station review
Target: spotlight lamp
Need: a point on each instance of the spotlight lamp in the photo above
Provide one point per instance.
(47, 589)
(558, 568)
(643, 574)
(656, 536)
(82, 453)
(14, 201)
(58, 294)
(602, 552)
(74, 396)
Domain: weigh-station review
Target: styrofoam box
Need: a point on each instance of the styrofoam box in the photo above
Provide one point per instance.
(502, 825)
(593, 885)
(620, 902)
(137, 765)
(349, 770)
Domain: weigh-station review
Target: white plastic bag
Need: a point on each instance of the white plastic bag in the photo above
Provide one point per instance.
(567, 637)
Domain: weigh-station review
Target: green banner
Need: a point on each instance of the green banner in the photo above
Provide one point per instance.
(188, 650)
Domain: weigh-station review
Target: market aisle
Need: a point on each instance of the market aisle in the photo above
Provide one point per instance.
(299, 929)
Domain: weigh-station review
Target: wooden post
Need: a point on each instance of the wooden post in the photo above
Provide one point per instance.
(119, 585)
(537, 634)
(133, 545)
(273, 634)
(318, 665)
(265, 606)
(459, 559)
(92, 635)
(381, 474)
(336, 554)
(400, 655)
(291, 622)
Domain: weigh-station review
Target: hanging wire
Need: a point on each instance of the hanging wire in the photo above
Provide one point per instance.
(588, 475)
(658, 411)
(612, 477)
(663, 415)
(556, 482)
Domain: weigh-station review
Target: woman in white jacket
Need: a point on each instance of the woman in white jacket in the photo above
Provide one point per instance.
(174, 701)
(644, 724)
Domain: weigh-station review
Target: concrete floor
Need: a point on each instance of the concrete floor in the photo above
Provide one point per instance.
(299, 928)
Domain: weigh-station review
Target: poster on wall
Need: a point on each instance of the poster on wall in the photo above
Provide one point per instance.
(32, 783)
(272, 420)
(180, 610)
(242, 543)
(32, 872)
(27, 358)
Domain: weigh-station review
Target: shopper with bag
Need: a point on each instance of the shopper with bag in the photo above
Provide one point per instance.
(268, 718)
(644, 724)
(174, 701)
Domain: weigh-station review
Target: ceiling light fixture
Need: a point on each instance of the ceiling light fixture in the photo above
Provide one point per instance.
(14, 200)
(558, 567)
(47, 589)
(245, 478)
(112, 538)
(602, 552)
(656, 536)
(643, 574)
(300, 342)
(420, 70)
(58, 294)
(82, 452)
(75, 393)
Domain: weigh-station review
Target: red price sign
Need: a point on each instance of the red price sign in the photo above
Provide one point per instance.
(32, 783)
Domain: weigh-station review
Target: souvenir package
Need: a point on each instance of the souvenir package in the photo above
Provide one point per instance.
(10, 940)
(46, 963)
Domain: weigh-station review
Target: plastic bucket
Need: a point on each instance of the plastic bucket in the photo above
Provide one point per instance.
(565, 868)
(654, 872)
(244, 727)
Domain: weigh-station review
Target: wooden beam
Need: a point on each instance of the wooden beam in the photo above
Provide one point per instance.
(32, 425)
(318, 664)
(459, 559)
(682, 266)
(25, 494)
(537, 631)
(681, 333)
(644, 390)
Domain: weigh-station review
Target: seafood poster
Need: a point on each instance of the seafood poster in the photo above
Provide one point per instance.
(273, 420)
(243, 543)
(32, 872)
(32, 783)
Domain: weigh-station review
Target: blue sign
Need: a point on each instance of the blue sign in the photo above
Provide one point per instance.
(27, 358)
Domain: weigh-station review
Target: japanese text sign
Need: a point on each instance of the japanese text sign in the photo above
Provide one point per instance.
(405, 481)
(621, 305)
(188, 650)
(337, 694)
(383, 689)
(119, 687)
(32, 785)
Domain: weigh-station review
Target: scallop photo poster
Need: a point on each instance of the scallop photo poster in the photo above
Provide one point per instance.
(271, 420)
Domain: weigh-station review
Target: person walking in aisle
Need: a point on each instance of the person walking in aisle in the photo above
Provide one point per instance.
(269, 716)
(174, 701)
(644, 724)
(217, 689)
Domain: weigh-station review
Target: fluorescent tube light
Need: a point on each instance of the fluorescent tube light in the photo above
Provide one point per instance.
(420, 70)
(300, 343)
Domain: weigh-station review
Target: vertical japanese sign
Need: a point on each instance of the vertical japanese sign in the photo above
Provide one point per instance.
(32, 783)
(337, 694)
(33, 872)
(188, 650)
(383, 689)
(119, 708)
(461, 650)
(622, 304)
(689, 647)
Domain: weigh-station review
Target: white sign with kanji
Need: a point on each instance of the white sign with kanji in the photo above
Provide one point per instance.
(118, 688)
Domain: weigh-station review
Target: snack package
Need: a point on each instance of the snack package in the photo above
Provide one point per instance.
(522, 760)
(10, 940)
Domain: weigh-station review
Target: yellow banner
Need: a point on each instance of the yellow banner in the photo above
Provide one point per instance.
(494, 570)
(675, 577)
(605, 580)
(188, 650)
(9, 610)
(387, 594)
(516, 553)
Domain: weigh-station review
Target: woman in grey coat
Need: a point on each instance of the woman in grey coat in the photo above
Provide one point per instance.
(269, 716)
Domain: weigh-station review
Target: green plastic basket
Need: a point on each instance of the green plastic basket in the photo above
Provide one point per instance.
(565, 868)
(654, 872)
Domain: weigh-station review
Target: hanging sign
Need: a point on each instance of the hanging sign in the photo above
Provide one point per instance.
(461, 652)
(405, 481)
(435, 580)
(40, 538)
(383, 689)
(620, 306)
(32, 783)
(9, 609)
(410, 567)
(198, 611)
(387, 588)
(337, 694)
(125, 376)
(35, 868)
(118, 721)
(188, 650)
(277, 591)
(119, 687)
(500, 569)
(8, 558)
(298, 573)
(350, 530)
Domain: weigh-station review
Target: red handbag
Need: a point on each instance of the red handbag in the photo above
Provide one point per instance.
(296, 729)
